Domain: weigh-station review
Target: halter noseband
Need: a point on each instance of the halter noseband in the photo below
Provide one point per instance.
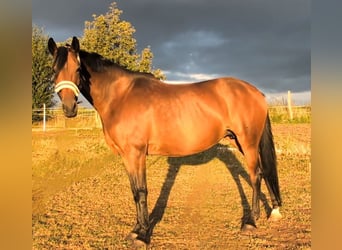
(67, 85)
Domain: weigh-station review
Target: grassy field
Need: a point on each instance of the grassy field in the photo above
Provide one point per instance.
(82, 199)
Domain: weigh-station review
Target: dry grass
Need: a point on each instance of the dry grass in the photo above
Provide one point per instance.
(280, 114)
(82, 200)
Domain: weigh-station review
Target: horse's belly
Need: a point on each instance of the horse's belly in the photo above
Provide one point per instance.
(186, 140)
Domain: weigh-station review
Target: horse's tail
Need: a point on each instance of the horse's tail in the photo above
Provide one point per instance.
(269, 162)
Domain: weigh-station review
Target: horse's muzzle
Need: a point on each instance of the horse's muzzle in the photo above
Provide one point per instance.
(70, 110)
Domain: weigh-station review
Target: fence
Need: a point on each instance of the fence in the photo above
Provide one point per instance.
(54, 119)
(89, 118)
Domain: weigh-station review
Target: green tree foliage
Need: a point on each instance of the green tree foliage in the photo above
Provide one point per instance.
(113, 38)
(42, 87)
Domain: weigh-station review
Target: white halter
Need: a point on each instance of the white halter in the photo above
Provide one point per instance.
(67, 85)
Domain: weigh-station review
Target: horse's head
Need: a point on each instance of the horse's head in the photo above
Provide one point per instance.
(66, 67)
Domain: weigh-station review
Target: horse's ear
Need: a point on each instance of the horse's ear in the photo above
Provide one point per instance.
(52, 46)
(75, 44)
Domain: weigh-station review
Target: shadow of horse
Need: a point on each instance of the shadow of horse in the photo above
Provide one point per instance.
(234, 166)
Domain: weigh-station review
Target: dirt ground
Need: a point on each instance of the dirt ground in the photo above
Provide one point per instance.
(195, 202)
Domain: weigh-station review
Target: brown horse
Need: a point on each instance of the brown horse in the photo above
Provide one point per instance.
(142, 115)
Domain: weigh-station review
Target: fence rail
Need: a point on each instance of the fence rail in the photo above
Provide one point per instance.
(89, 118)
(55, 119)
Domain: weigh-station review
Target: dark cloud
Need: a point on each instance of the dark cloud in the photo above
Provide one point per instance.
(265, 42)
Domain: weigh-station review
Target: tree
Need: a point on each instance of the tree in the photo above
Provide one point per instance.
(145, 63)
(42, 87)
(107, 35)
(112, 37)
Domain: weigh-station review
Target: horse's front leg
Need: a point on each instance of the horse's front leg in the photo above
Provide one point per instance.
(136, 169)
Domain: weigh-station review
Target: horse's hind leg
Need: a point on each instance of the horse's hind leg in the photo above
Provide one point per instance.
(252, 160)
(251, 153)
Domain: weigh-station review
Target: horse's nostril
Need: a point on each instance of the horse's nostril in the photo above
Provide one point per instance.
(70, 109)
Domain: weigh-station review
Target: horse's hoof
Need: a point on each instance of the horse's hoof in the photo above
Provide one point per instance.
(275, 215)
(131, 236)
(134, 242)
(139, 244)
(248, 228)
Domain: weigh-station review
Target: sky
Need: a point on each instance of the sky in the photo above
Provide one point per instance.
(264, 42)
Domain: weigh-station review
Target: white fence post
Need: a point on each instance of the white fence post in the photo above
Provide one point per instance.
(289, 104)
(44, 117)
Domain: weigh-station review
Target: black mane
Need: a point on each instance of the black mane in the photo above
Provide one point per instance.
(93, 60)
(99, 63)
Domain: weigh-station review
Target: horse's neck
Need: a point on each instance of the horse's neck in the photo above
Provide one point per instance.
(106, 88)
